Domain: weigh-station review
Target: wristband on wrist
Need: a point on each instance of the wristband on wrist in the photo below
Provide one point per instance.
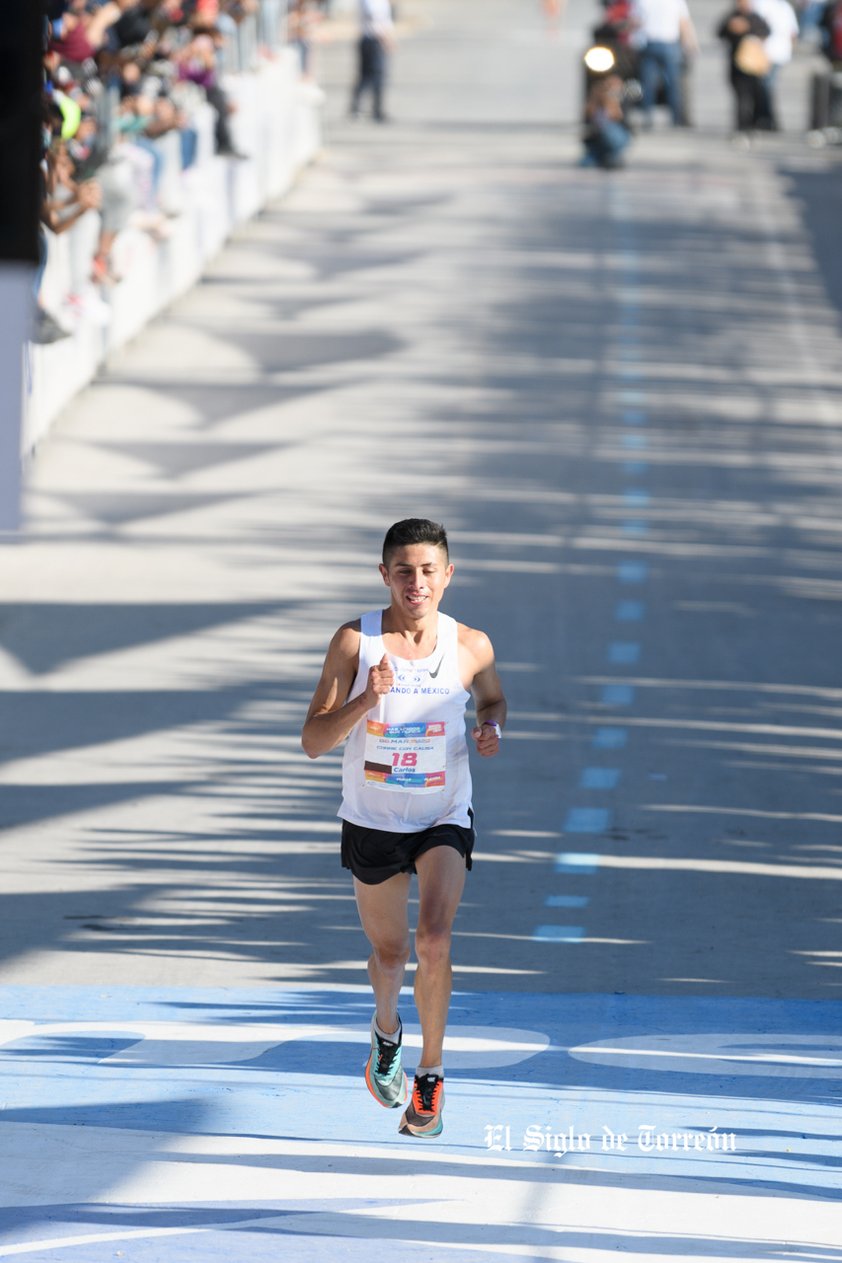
(492, 723)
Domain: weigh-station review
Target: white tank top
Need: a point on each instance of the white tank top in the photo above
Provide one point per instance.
(405, 766)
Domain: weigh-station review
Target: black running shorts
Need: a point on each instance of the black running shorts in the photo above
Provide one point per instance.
(374, 855)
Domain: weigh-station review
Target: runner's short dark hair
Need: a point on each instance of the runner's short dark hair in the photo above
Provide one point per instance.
(414, 530)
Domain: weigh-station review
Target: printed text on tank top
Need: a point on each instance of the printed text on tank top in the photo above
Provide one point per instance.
(409, 756)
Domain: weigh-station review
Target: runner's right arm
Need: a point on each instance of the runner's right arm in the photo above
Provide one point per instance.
(331, 716)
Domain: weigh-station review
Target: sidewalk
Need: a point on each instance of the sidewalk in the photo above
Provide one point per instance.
(622, 397)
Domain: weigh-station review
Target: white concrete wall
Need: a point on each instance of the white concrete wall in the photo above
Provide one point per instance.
(277, 124)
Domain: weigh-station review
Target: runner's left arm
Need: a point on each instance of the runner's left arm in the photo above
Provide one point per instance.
(488, 694)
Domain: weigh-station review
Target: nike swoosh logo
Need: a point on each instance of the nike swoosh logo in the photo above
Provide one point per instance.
(433, 674)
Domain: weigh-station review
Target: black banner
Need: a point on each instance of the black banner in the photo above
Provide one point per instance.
(21, 48)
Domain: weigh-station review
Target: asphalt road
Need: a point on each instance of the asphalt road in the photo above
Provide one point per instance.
(622, 396)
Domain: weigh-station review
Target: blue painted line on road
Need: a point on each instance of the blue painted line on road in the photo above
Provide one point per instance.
(635, 498)
(587, 820)
(629, 611)
(599, 778)
(184, 1110)
(633, 571)
(567, 901)
(617, 695)
(582, 862)
(610, 738)
(558, 934)
(624, 652)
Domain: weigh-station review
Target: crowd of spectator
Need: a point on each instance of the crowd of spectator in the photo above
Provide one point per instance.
(118, 76)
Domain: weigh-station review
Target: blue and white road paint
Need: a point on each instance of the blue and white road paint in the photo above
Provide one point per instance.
(193, 1126)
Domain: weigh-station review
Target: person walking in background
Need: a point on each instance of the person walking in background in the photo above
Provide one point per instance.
(665, 35)
(779, 16)
(744, 32)
(377, 29)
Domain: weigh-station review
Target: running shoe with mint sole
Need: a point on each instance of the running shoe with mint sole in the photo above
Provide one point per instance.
(384, 1074)
(422, 1116)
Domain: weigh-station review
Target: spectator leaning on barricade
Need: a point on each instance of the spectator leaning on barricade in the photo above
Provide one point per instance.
(118, 76)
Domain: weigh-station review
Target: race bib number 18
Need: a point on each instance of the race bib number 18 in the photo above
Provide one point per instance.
(409, 757)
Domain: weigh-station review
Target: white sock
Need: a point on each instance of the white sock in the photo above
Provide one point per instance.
(439, 1070)
(395, 1035)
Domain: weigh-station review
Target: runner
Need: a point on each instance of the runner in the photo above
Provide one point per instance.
(395, 683)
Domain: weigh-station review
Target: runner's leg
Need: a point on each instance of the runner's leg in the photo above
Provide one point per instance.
(441, 878)
(383, 911)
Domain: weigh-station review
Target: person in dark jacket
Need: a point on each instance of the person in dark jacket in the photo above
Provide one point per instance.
(745, 74)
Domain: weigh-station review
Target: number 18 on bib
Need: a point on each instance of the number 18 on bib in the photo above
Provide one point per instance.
(409, 757)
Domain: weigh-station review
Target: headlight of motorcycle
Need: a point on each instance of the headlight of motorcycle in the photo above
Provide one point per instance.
(600, 60)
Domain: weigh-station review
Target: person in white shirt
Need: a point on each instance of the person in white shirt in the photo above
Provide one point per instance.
(376, 41)
(780, 17)
(664, 33)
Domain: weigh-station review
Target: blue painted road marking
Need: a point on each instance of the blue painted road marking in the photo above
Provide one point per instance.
(617, 695)
(633, 399)
(599, 778)
(558, 934)
(214, 1134)
(587, 820)
(610, 738)
(576, 862)
(629, 611)
(636, 499)
(633, 571)
(623, 653)
(567, 901)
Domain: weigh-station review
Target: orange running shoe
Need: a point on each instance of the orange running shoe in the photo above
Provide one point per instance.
(422, 1116)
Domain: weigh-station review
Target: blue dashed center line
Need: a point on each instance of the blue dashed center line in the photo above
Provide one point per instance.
(632, 398)
(629, 611)
(580, 862)
(617, 695)
(600, 778)
(559, 934)
(624, 652)
(587, 820)
(634, 498)
(567, 901)
(632, 405)
(633, 571)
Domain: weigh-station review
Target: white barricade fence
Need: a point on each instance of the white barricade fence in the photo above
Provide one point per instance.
(276, 124)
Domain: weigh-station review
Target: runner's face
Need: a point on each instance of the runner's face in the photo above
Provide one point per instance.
(417, 576)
